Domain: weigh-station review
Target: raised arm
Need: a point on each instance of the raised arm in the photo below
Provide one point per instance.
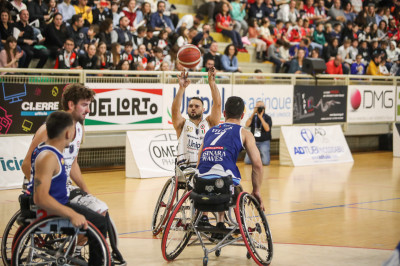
(215, 115)
(257, 171)
(177, 119)
(40, 136)
(46, 165)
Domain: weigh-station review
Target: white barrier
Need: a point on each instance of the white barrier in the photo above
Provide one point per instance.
(150, 153)
(12, 153)
(312, 145)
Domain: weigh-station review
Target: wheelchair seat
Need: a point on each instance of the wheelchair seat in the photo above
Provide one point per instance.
(212, 193)
(27, 212)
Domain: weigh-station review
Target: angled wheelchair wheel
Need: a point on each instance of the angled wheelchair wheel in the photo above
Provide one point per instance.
(53, 241)
(164, 205)
(10, 234)
(178, 229)
(254, 228)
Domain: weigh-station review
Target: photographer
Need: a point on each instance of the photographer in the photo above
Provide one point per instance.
(260, 125)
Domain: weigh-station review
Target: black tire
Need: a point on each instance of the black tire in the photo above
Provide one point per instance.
(254, 228)
(35, 245)
(8, 236)
(178, 230)
(164, 205)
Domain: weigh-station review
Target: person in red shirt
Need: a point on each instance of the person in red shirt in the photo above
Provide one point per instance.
(334, 66)
(224, 25)
(309, 9)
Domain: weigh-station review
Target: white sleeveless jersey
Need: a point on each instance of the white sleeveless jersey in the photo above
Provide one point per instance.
(71, 152)
(189, 142)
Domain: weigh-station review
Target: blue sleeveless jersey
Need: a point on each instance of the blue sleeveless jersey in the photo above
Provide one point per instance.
(221, 147)
(58, 186)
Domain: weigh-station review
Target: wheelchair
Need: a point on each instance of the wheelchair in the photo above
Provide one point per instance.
(173, 190)
(247, 223)
(33, 238)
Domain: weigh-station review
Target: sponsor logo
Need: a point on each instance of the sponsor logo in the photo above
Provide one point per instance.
(372, 99)
(39, 106)
(209, 188)
(219, 183)
(307, 135)
(163, 151)
(310, 137)
(122, 107)
(13, 164)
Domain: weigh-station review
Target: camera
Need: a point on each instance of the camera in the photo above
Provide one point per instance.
(207, 32)
(260, 109)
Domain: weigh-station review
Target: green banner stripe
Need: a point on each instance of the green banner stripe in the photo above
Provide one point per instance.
(91, 122)
(149, 121)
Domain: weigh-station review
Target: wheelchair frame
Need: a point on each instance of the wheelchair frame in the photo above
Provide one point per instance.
(169, 196)
(250, 226)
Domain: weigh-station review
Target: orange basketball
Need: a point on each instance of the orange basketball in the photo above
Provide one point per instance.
(189, 56)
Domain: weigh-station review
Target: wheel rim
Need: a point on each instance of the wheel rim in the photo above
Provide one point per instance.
(7, 241)
(254, 227)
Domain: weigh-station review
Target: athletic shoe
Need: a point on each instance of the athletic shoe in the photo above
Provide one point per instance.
(204, 221)
(219, 236)
(242, 50)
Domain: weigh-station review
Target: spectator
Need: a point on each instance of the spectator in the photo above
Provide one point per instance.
(319, 37)
(260, 126)
(183, 36)
(213, 54)
(265, 34)
(304, 44)
(392, 52)
(66, 57)
(382, 67)
(162, 40)
(134, 15)
(395, 69)
(9, 56)
(89, 59)
(158, 57)
(278, 30)
(296, 65)
(142, 56)
(146, 12)
(121, 34)
(291, 16)
(258, 10)
(328, 33)
(349, 13)
(229, 60)
(150, 40)
(203, 38)
(116, 53)
(354, 50)
(91, 35)
(357, 5)
(371, 16)
(347, 33)
(373, 67)
(189, 21)
(336, 12)
(137, 66)
(128, 54)
(164, 66)
(101, 13)
(274, 56)
(224, 25)
(171, 57)
(208, 65)
(38, 9)
(104, 57)
(106, 27)
(364, 35)
(361, 19)
(261, 46)
(337, 31)
(310, 11)
(52, 10)
(159, 21)
(117, 15)
(315, 53)
(27, 40)
(6, 26)
(85, 11)
(382, 30)
(66, 10)
(364, 51)
(331, 50)
(393, 30)
(17, 7)
(55, 33)
(76, 32)
(344, 51)
(123, 65)
(238, 13)
(334, 66)
(322, 12)
(358, 68)
(139, 37)
(192, 33)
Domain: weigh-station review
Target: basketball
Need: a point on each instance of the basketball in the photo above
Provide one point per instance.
(189, 56)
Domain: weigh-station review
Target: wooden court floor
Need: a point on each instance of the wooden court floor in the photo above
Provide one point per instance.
(343, 214)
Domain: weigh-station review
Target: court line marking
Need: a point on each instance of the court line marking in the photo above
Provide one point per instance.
(372, 209)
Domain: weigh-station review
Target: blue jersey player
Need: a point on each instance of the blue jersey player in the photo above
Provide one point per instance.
(222, 145)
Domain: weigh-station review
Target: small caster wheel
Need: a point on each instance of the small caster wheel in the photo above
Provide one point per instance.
(248, 255)
(218, 252)
(205, 261)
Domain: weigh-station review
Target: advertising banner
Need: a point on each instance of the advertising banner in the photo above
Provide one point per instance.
(319, 104)
(398, 104)
(277, 100)
(396, 140)
(370, 103)
(150, 153)
(12, 153)
(312, 145)
(202, 91)
(124, 106)
(24, 107)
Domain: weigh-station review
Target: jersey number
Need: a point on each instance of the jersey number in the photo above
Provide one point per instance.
(217, 138)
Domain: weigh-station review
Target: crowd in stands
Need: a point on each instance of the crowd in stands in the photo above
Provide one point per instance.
(351, 36)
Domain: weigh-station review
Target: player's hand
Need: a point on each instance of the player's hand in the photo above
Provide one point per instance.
(211, 74)
(258, 197)
(78, 220)
(183, 79)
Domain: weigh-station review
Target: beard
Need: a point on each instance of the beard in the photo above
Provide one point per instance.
(194, 116)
